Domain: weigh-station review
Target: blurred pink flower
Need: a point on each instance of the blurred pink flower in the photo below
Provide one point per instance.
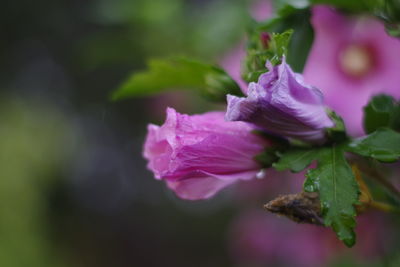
(261, 10)
(257, 238)
(352, 59)
(231, 63)
(201, 154)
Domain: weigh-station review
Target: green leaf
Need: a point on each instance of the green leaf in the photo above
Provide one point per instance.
(259, 52)
(338, 192)
(381, 111)
(290, 34)
(179, 73)
(338, 132)
(302, 39)
(278, 4)
(386, 10)
(278, 46)
(349, 5)
(389, 12)
(383, 145)
(296, 160)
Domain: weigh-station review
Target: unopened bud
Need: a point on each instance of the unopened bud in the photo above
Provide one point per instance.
(265, 38)
(303, 207)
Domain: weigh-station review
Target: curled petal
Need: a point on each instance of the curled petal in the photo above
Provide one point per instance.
(201, 154)
(281, 103)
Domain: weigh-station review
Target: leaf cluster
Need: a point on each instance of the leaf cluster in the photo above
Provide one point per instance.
(291, 35)
(333, 178)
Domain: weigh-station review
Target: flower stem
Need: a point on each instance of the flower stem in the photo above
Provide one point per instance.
(372, 172)
(384, 207)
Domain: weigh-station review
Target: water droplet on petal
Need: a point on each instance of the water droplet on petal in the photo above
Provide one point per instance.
(261, 174)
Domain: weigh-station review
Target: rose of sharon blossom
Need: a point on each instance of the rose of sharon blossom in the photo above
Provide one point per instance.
(352, 59)
(260, 239)
(201, 154)
(281, 103)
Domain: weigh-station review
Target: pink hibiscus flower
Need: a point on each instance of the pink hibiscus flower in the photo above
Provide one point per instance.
(352, 59)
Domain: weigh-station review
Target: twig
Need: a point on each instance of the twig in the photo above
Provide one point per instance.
(377, 176)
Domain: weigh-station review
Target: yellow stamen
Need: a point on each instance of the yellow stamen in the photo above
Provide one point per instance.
(356, 60)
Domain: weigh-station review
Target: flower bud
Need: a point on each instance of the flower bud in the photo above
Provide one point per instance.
(281, 103)
(201, 154)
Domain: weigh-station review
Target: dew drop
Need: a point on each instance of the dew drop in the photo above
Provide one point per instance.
(261, 174)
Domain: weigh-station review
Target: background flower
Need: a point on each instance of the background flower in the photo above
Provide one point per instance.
(352, 58)
(261, 239)
(257, 238)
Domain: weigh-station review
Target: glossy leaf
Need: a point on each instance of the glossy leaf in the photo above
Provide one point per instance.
(383, 145)
(296, 160)
(338, 191)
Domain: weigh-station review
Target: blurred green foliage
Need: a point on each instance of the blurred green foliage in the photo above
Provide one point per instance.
(387, 10)
(179, 73)
(31, 139)
(296, 18)
(382, 111)
(201, 29)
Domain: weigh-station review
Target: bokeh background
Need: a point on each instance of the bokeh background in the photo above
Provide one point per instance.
(74, 189)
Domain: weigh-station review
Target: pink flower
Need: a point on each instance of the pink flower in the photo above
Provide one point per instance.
(201, 154)
(352, 59)
(261, 239)
(281, 103)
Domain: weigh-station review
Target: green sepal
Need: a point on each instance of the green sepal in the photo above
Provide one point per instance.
(267, 158)
(269, 155)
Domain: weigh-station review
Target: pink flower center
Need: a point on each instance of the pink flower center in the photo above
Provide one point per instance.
(356, 60)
